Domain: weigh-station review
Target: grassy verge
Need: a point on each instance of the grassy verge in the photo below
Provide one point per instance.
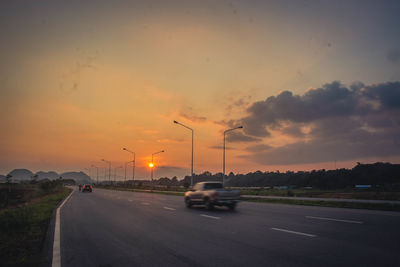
(334, 204)
(23, 230)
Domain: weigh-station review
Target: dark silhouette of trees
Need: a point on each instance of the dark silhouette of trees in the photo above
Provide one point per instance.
(377, 175)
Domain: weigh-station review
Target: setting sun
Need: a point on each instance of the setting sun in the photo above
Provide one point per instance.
(151, 165)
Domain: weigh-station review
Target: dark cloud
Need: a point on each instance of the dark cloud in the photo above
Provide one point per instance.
(387, 94)
(258, 148)
(393, 55)
(238, 136)
(221, 147)
(342, 123)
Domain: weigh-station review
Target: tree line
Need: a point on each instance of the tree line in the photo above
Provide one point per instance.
(377, 175)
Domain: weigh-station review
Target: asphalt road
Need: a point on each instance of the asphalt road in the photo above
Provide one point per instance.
(114, 228)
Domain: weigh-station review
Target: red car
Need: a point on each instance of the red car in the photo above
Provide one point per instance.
(87, 188)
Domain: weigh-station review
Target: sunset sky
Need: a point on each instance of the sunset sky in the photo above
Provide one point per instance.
(312, 82)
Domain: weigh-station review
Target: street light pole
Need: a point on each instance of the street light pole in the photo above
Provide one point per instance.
(125, 174)
(133, 165)
(223, 161)
(109, 169)
(126, 163)
(152, 164)
(176, 122)
(97, 173)
(115, 174)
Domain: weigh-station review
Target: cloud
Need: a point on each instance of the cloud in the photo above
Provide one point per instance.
(258, 148)
(193, 118)
(238, 104)
(221, 147)
(190, 114)
(393, 55)
(240, 137)
(328, 123)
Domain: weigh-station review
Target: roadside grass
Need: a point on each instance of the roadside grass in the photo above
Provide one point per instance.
(23, 230)
(333, 204)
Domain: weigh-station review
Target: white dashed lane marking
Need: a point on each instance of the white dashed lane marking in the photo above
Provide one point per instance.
(211, 217)
(292, 232)
(334, 220)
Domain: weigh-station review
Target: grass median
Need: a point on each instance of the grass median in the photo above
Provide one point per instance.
(23, 230)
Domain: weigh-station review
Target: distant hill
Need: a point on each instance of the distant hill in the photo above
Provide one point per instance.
(47, 175)
(79, 177)
(2, 178)
(21, 175)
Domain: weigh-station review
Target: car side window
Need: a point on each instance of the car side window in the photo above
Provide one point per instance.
(197, 187)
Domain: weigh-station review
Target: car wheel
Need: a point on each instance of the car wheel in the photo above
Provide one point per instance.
(208, 204)
(188, 202)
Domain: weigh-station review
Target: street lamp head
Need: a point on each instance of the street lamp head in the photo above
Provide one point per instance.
(162, 151)
(176, 122)
(124, 148)
(240, 127)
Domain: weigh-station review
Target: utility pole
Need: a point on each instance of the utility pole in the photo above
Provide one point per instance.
(223, 160)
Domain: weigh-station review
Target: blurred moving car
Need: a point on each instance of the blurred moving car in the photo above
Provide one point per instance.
(212, 194)
(87, 188)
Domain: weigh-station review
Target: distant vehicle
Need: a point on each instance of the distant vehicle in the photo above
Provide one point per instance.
(212, 194)
(87, 188)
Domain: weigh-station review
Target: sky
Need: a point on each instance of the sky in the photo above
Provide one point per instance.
(315, 84)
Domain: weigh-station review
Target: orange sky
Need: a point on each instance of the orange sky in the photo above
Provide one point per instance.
(81, 82)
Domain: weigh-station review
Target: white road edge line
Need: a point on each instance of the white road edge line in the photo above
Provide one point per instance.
(130, 200)
(292, 232)
(168, 208)
(56, 262)
(145, 203)
(212, 217)
(335, 220)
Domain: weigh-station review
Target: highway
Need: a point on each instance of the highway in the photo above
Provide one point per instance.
(116, 228)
